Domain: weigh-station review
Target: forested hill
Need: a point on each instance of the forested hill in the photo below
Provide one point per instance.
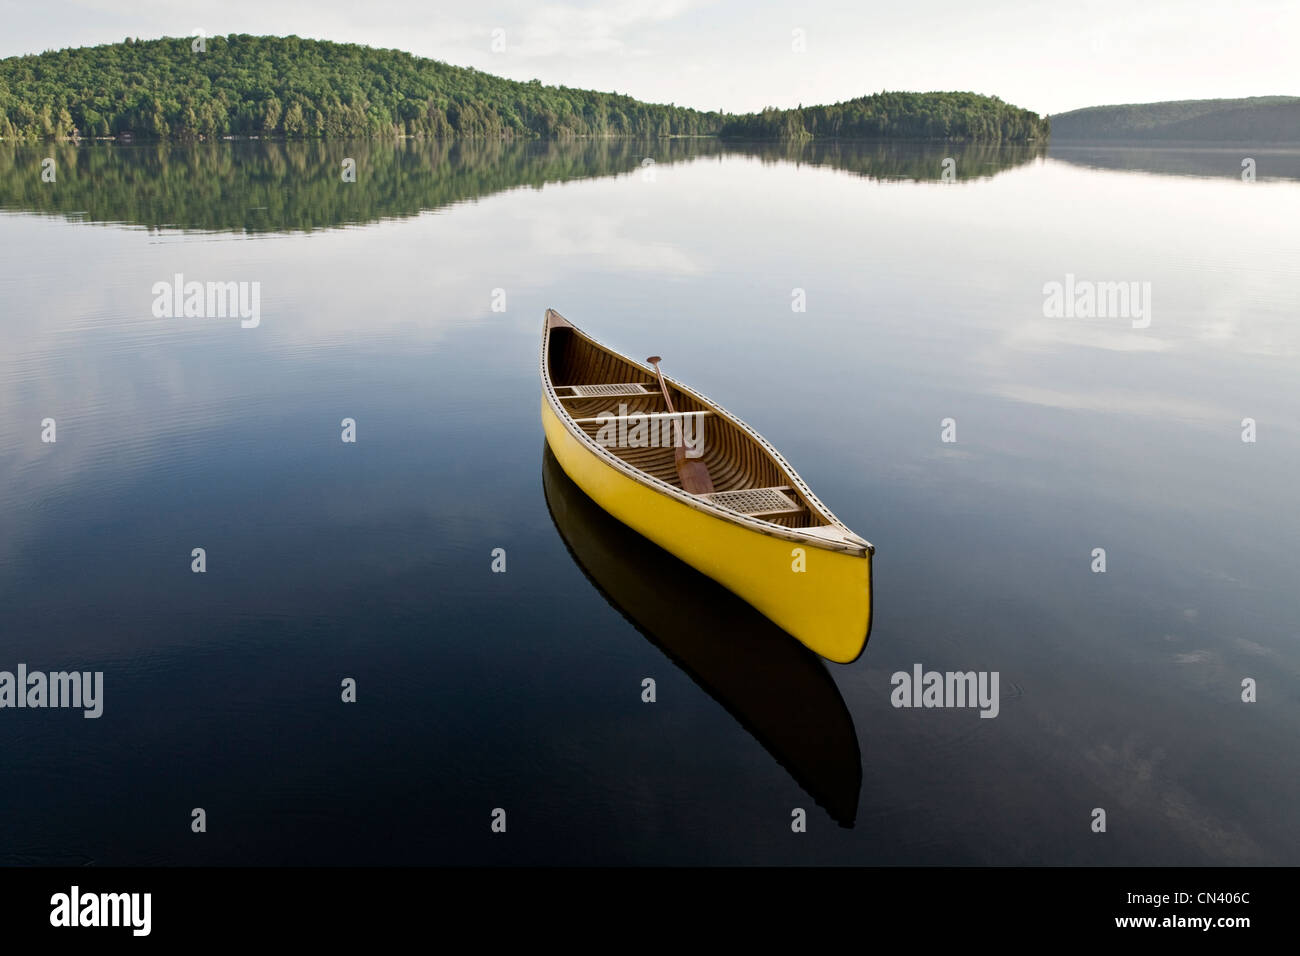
(1268, 119)
(286, 86)
(247, 85)
(962, 117)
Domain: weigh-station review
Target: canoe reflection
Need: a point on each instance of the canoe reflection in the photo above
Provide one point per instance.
(778, 690)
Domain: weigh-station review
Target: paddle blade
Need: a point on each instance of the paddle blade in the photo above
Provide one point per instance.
(694, 474)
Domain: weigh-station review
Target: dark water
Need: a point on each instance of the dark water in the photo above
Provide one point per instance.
(522, 690)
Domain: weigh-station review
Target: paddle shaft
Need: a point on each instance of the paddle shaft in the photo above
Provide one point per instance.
(693, 473)
(679, 446)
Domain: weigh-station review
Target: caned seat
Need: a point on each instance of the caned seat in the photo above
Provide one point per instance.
(757, 502)
(612, 390)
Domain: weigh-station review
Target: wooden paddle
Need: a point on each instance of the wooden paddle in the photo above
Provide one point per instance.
(693, 473)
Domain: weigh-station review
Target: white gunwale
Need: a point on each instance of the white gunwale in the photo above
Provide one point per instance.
(836, 536)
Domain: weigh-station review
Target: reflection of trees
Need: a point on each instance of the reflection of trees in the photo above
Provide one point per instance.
(920, 162)
(276, 186)
(265, 186)
(1204, 161)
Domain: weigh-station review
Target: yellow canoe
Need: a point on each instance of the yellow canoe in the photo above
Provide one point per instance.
(761, 532)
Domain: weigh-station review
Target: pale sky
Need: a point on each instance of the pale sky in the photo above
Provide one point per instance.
(725, 54)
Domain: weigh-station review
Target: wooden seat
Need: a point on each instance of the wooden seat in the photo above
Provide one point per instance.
(757, 502)
(613, 390)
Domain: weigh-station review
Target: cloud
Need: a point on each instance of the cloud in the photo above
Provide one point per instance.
(1114, 402)
(569, 30)
(1037, 335)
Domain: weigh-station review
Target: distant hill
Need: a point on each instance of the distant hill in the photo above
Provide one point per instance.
(1264, 119)
(287, 86)
(293, 88)
(955, 117)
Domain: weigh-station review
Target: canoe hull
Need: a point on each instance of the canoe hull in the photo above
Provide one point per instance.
(826, 605)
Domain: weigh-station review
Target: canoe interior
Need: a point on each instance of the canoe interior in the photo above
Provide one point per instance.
(736, 462)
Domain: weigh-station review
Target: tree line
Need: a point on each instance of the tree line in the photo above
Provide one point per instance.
(183, 89)
(1263, 119)
(291, 87)
(954, 117)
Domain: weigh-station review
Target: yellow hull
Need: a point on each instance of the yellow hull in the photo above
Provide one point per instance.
(822, 597)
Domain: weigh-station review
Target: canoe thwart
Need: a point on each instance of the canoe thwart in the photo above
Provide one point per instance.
(639, 416)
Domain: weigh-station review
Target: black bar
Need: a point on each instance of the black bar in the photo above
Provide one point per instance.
(332, 905)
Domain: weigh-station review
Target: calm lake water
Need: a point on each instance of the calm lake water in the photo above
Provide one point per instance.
(521, 690)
